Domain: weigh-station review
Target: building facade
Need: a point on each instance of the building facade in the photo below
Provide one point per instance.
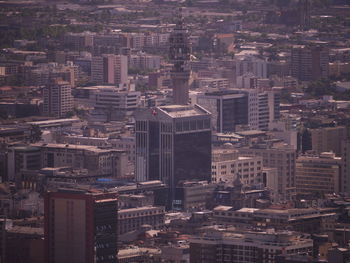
(173, 144)
(132, 219)
(345, 167)
(328, 139)
(228, 108)
(109, 69)
(281, 157)
(309, 62)
(22, 158)
(227, 166)
(80, 227)
(110, 163)
(58, 99)
(247, 247)
(318, 174)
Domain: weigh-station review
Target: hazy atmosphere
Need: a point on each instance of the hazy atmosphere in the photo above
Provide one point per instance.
(175, 131)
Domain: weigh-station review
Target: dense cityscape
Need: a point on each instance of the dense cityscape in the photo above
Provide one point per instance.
(175, 131)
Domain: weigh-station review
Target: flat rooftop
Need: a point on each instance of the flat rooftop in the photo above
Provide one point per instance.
(53, 121)
(179, 111)
(251, 133)
(223, 208)
(27, 230)
(141, 208)
(75, 147)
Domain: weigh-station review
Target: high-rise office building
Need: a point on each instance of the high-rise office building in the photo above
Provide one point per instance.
(109, 69)
(58, 99)
(173, 144)
(179, 54)
(80, 227)
(309, 62)
(228, 109)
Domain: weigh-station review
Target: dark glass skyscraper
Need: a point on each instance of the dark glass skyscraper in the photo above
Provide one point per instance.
(173, 144)
(229, 108)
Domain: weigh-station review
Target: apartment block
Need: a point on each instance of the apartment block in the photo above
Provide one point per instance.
(58, 99)
(109, 69)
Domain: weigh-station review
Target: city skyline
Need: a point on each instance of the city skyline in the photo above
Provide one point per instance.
(182, 131)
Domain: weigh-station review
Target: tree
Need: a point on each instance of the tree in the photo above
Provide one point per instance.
(69, 114)
(320, 88)
(35, 133)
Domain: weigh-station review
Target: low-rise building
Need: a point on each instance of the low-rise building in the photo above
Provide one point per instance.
(281, 157)
(176, 253)
(246, 246)
(318, 174)
(137, 254)
(133, 218)
(96, 160)
(306, 220)
(193, 195)
(238, 218)
(227, 166)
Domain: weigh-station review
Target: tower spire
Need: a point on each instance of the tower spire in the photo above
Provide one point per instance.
(179, 54)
